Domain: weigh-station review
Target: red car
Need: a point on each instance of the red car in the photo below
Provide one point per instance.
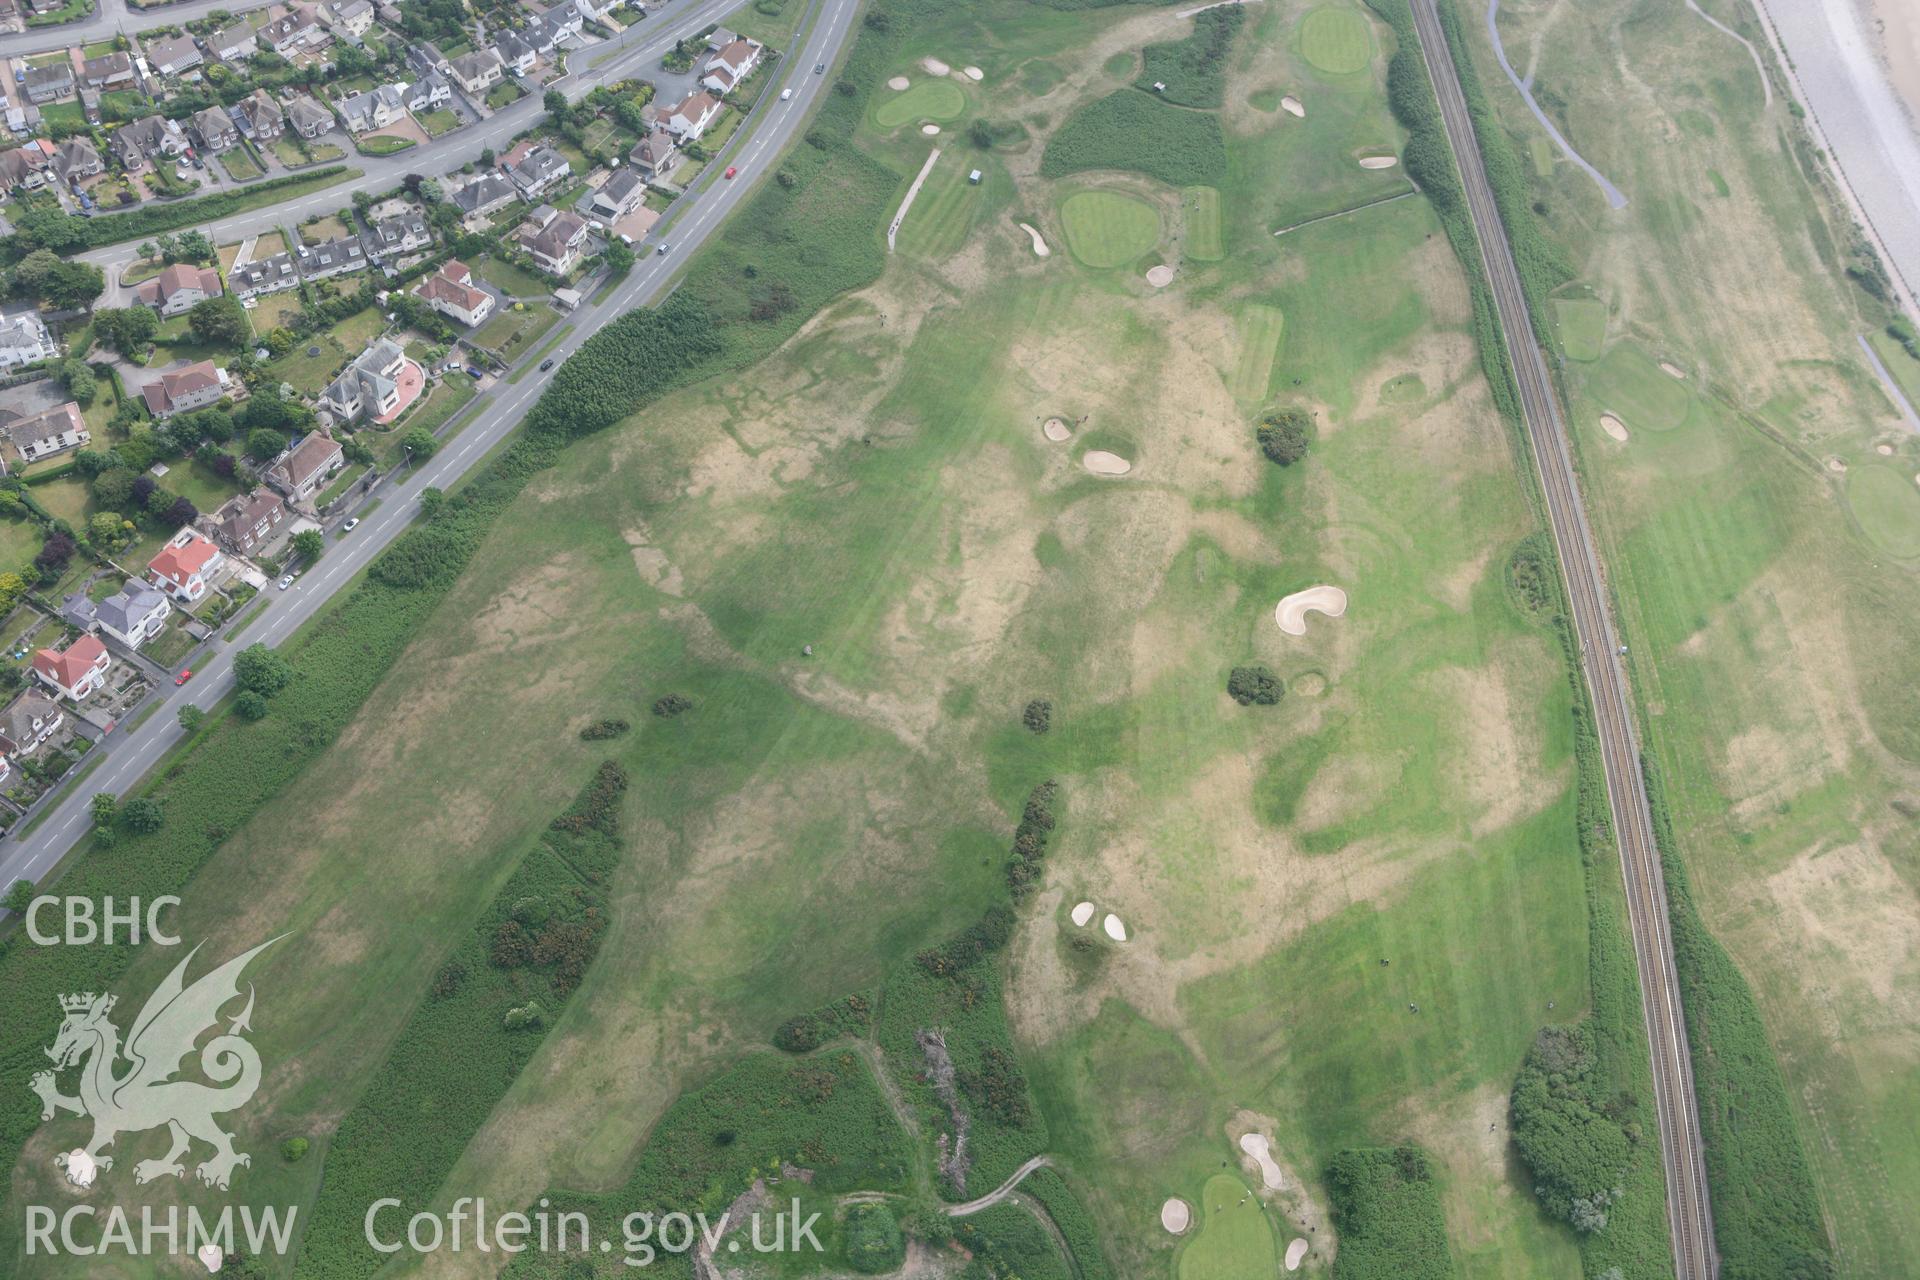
(184, 676)
(732, 169)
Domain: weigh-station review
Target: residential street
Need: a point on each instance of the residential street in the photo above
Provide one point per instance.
(691, 220)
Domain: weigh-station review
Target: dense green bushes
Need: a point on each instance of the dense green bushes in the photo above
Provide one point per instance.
(462, 1050)
(1531, 575)
(1568, 1131)
(1766, 1211)
(1075, 1224)
(1194, 70)
(1137, 132)
(1007, 1243)
(1030, 839)
(1038, 715)
(68, 233)
(874, 1245)
(849, 1016)
(1285, 435)
(1255, 685)
(1387, 1208)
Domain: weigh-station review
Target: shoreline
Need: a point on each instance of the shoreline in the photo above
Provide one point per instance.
(1895, 27)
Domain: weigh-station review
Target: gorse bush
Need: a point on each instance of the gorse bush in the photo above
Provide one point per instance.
(1255, 685)
(1194, 70)
(1387, 1208)
(1139, 133)
(671, 705)
(1037, 715)
(849, 1016)
(601, 730)
(1285, 436)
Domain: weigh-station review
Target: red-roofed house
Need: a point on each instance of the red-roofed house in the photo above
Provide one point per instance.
(184, 390)
(178, 287)
(451, 291)
(729, 65)
(184, 565)
(78, 671)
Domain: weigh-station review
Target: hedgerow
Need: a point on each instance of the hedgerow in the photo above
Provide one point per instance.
(66, 233)
(462, 1050)
(1076, 1225)
(1766, 1210)
(1137, 132)
(1387, 1208)
(1194, 70)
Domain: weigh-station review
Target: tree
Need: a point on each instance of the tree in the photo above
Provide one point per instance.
(113, 488)
(251, 706)
(195, 246)
(181, 512)
(73, 285)
(125, 329)
(619, 259)
(308, 544)
(31, 272)
(143, 815)
(106, 529)
(54, 553)
(265, 443)
(1284, 436)
(1255, 684)
(258, 669)
(192, 717)
(19, 897)
(420, 444)
(104, 808)
(556, 104)
(78, 380)
(148, 249)
(220, 321)
(432, 500)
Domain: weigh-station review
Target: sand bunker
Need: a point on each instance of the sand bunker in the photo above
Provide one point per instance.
(1175, 1215)
(929, 129)
(1379, 162)
(211, 1257)
(1056, 430)
(1102, 463)
(1292, 107)
(1884, 450)
(973, 73)
(1040, 249)
(898, 83)
(1673, 370)
(1161, 276)
(1296, 1253)
(1082, 911)
(1836, 466)
(935, 67)
(1613, 427)
(1115, 930)
(1257, 1146)
(1291, 613)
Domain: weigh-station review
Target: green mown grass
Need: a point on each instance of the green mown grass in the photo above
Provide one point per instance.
(1336, 39)
(1887, 505)
(926, 99)
(1235, 1239)
(1202, 208)
(1109, 228)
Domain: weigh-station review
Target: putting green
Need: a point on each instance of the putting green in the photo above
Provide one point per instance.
(1108, 229)
(1336, 40)
(1887, 504)
(1260, 330)
(1235, 1242)
(926, 100)
(1202, 208)
(1627, 382)
(1582, 325)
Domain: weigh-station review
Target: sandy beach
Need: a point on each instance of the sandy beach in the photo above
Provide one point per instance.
(1898, 22)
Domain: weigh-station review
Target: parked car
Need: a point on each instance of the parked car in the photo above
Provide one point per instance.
(183, 677)
(350, 525)
(475, 374)
(732, 169)
(286, 581)
(546, 364)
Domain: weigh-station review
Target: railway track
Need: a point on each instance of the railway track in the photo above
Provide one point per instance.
(1689, 1213)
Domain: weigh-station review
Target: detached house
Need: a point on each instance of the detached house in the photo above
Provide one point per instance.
(143, 140)
(297, 29)
(267, 275)
(429, 93)
(655, 156)
(28, 721)
(216, 129)
(691, 117)
(30, 166)
(133, 615)
(24, 340)
(76, 159)
(259, 116)
(486, 194)
(451, 292)
(332, 258)
(534, 167)
(49, 432)
(375, 109)
(379, 383)
(77, 670)
(553, 240)
(178, 287)
(622, 193)
(478, 71)
(49, 83)
(185, 567)
(108, 71)
(308, 118)
(303, 469)
(515, 54)
(234, 43)
(249, 521)
(730, 64)
(173, 57)
(184, 390)
(354, 17)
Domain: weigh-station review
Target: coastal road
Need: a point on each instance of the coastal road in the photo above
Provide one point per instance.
(1689, 1215)
(687, 225)
(632, 51)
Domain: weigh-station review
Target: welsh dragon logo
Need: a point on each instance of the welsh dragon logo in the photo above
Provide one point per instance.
(130, 1088)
